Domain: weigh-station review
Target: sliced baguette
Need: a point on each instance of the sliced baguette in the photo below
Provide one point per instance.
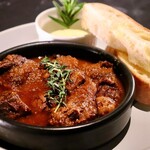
(125, 38)
(119, 31)
(142, 78)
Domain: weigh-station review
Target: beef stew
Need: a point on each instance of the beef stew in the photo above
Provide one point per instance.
(93, 90)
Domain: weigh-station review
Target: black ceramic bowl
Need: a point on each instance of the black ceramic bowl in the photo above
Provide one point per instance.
(81, 137)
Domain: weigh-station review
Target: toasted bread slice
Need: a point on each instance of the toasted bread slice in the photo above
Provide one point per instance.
(119, 31)
(142, 79)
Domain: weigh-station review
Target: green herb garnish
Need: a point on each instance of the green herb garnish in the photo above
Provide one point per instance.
(59, 75)
(67, 11)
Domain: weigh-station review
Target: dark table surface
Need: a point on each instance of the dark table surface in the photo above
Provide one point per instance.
(17, 12)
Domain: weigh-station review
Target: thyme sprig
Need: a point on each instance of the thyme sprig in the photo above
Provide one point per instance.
(67, 11)
(59, 75)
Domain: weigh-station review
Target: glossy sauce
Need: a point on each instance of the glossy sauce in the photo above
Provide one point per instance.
(32, 89)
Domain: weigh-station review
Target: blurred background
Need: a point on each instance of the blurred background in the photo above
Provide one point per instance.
(17, 12)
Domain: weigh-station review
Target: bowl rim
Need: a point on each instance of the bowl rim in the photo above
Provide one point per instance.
(92, 124)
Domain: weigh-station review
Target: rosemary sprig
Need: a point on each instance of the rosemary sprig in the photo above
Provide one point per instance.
(59, 75)
(67, 11)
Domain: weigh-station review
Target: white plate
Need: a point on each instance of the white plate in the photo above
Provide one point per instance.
(138, 135)
(18, 35)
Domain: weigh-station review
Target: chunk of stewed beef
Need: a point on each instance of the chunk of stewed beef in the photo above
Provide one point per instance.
(12, 106)
(24, 71)
(109, 91)
(77, 77)
(108, 96)
(81, 106)
(100, 72)
(11, 60)
(69, 61)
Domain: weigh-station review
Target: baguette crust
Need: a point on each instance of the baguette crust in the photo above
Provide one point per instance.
(125, 38)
